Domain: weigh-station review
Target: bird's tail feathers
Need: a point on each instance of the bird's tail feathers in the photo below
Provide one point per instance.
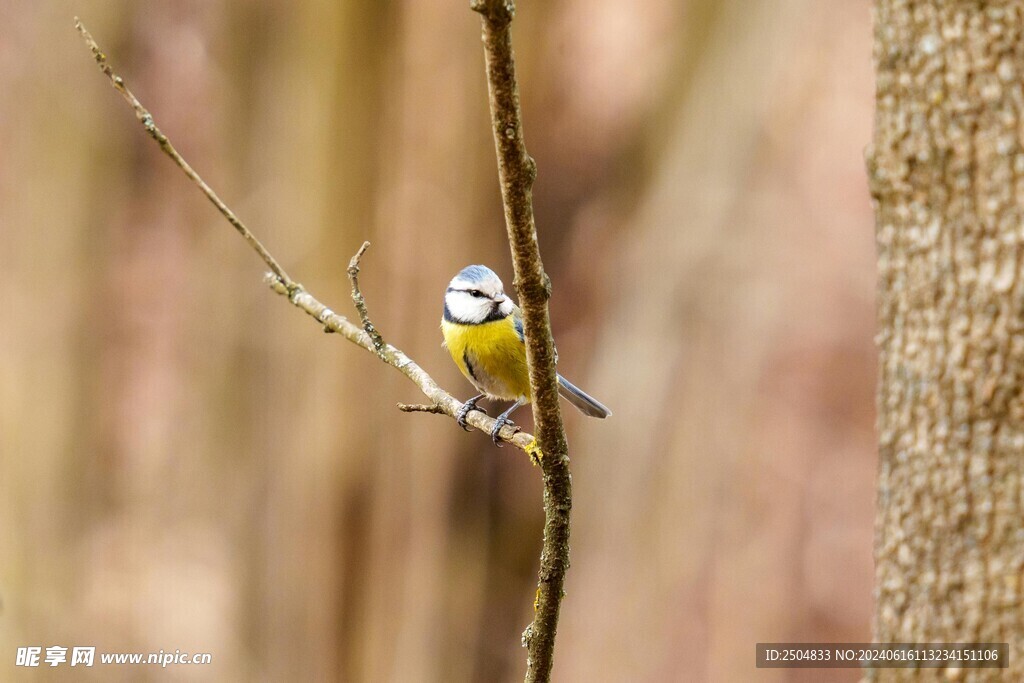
(588, 405)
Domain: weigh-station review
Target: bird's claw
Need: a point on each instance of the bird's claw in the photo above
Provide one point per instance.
(498, 424)
(460, 417)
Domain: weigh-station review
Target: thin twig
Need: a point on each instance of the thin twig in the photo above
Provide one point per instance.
(360, 302)
(516, 172)
(284, 285)
(147, 122)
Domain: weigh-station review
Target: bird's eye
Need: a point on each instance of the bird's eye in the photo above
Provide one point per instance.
(476, 293)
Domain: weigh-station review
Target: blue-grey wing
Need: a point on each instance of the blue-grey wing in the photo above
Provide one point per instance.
(517, 318)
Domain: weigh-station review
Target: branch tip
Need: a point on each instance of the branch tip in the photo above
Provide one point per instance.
(353, 264)
(360, 303)
(498, 13)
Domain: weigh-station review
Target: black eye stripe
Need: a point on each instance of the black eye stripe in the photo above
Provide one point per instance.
(472, 292)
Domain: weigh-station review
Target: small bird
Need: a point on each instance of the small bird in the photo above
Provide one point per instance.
(483, 331)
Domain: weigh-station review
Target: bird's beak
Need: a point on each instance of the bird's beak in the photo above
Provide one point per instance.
(500, 300)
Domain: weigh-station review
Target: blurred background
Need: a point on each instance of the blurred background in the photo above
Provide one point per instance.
(187, 462)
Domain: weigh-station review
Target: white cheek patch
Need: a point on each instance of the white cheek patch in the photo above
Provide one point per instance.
(466, 308)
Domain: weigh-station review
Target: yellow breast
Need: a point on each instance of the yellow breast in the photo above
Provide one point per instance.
(491, 356)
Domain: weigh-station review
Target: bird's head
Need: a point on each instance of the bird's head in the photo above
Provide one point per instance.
(476, 295)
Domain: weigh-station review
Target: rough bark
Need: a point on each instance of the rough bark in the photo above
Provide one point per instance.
(516, 172)
(945, 173)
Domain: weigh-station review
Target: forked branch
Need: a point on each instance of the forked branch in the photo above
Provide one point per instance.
(366, 336)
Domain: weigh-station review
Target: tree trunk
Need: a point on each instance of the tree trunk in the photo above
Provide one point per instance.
(946, 172)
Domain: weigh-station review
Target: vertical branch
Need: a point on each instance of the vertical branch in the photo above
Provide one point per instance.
(516, 172)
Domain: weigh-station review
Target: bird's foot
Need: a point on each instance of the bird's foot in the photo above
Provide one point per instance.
(498, 424)
(460, 417)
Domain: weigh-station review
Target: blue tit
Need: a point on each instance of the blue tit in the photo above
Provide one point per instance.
(483, 331)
